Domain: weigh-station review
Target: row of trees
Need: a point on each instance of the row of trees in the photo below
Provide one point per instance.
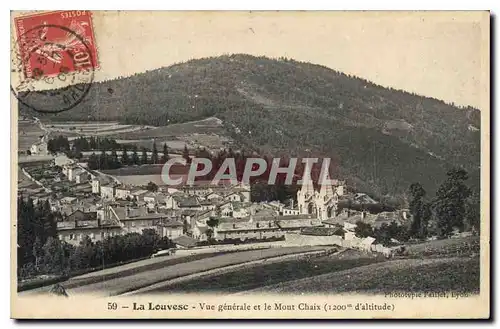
(384, 233)
(39, 250)
(81, 144)
(60, 258)
(113, 161)
(454, 208)
(35, 224)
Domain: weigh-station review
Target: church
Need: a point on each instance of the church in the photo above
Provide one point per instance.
(322, 203)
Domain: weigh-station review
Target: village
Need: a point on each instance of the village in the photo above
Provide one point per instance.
(97, 205)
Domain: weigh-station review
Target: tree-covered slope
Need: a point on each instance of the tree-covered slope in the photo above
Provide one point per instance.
(381, 139)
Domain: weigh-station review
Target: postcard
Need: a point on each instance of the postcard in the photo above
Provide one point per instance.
(250, 164)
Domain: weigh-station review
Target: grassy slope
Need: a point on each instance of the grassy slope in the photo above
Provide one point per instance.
(433, 275)
(432, 266)
(380, 138)
(252, 277)
(443, 265)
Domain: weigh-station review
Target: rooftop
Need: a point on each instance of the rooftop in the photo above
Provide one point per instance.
(185, 241)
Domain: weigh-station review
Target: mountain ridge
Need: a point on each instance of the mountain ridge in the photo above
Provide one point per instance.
(381, 138)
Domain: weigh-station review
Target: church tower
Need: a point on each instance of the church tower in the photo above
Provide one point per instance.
(306, 197)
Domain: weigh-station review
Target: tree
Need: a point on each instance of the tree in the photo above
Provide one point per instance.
(185, 155)
(53, 256)
(450, 202)
(154, 154)
(212, 222)
(93, 162)
(152, 187)
(362, 229)
(125, 160)
(164, 157)
(144, 156)
(38, 252)
(473, 213)
(185, 226)
(114, 163)
(103, 160)
(419, 224)
(135, 158)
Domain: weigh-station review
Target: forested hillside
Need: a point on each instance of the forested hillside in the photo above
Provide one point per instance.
(381, 139)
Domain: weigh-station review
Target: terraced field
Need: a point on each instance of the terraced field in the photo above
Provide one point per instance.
(29, 133)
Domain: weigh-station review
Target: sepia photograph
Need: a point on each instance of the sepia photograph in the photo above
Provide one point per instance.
(250, 164)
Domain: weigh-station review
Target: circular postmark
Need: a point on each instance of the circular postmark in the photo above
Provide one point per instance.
(52, 68)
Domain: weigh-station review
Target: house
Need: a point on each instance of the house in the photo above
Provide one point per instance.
(172, 200)
(207, 204)
(68, 200)
(214, 195)
(81, 176)
(68, 170)
(80, 224)
(197, 190)
(362, 198)
(241, 209)
(182, 201)
(154, 197)
(79, 215)
(96, 185)
(185, 242)
(199, 231)
(366, 243)
(108, 191)
(263, 227)
(234, 196)
(62, 160)
(74, 234)
(225, 209)
(170, 228)
(39, 148)
(289, 212)
(139, 195)
(135, 220)
(123, 192)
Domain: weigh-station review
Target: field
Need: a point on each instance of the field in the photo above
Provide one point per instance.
(445, 265)
(29, 133)
(450, 265)
(139, 175)
(251, 277)
(208, 133)
(72, 129)
(460, 274)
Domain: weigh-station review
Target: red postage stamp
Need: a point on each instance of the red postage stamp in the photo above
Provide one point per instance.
(54, 43)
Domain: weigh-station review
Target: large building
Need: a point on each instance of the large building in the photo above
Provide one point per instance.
(323, 203)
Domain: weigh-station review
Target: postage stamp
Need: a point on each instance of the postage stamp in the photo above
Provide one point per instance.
(55, 51)
(221, 169)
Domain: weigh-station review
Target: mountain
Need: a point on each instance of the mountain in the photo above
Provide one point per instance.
(380, 138)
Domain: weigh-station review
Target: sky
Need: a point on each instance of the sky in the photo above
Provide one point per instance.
(440, 54)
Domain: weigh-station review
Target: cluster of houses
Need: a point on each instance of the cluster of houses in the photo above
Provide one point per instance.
(186, 214)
